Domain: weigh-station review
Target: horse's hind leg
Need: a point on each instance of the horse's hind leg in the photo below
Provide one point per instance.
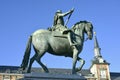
(38, 59)
(30, 64)
(43, 66)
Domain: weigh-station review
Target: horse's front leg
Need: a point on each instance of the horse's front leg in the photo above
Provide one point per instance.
(75, 56)
(82, 62)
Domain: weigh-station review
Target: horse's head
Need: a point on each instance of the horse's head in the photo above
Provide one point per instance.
(88, 29)
(84, 26)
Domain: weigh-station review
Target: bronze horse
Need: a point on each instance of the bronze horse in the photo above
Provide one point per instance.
(45, 41)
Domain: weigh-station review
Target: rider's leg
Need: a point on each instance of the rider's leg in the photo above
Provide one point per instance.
(70, 39)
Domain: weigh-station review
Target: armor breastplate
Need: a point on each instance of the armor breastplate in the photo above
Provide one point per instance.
(60, 21)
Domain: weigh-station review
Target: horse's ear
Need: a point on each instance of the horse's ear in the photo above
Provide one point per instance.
(90, 24)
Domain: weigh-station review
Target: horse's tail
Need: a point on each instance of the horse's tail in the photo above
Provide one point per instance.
(27, 54)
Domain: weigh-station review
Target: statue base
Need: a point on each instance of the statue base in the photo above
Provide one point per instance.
(51, 76)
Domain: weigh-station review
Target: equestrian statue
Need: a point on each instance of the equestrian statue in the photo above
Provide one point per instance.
(58, 40)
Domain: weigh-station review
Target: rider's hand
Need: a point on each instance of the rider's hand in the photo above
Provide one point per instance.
(72, 10)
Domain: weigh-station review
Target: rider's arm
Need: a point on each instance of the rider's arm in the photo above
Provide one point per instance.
(65, 14)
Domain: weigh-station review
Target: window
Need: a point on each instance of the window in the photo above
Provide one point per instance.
(103, 73)
(6, 77)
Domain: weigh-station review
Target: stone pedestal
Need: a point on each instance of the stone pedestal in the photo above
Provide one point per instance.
(51, 76)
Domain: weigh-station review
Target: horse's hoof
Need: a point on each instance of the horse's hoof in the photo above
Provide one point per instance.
(73, 72)
(78, 69)
(47, 71)
(28, 71)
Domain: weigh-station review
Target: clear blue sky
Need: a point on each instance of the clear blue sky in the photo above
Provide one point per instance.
(20, 18)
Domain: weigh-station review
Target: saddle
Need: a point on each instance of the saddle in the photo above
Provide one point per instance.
(59, 31)
(59, 34)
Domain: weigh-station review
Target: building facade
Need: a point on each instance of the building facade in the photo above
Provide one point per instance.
(99, 67)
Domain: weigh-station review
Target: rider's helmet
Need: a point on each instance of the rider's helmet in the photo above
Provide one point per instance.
(59, 11)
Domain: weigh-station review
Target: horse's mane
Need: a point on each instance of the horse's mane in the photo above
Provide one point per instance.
(80, 22)
(73, 27)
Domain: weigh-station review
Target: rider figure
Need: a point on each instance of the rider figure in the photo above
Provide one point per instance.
(58, 24)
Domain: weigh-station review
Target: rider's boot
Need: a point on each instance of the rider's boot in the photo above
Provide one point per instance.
(70, 40)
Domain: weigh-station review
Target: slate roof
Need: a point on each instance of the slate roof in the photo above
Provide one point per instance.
(115, 76)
